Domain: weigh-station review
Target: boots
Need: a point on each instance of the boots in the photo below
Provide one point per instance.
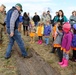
(65, 64)
(40, 42)
(60, 63)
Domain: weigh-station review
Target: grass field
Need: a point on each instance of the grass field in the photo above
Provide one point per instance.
(8, 67)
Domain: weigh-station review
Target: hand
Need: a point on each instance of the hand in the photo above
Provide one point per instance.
(11, 34)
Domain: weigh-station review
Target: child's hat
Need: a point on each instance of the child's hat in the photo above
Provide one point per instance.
(74, 26)
(66, 27)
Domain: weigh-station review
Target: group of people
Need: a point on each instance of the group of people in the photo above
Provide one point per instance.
(63, 32)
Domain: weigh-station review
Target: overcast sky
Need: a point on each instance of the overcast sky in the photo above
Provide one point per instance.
(39, 6)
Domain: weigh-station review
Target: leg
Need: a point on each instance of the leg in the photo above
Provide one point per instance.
(17, 37)
(60, 54)
(41, 40)
(75, 54)
(9, 49)
(65, 64)
(47, 41)
(24, 30)
(53, 50)
(27, 30)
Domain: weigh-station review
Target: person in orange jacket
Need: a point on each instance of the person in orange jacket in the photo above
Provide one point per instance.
(40, 31)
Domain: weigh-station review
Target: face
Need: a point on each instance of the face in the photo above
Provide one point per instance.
(2, 9)
(48, 12)
(47, 23)
(74, 13)
(56, 13)
(60, 13)
(18, 8)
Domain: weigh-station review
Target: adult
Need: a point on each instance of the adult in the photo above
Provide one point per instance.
(45, 18)
(48, 13)
(55, 15)
(26, 20)
(2, 17)
(60, 18)
(36, 19)
(12, 22)
(54, 18)
(72, 19)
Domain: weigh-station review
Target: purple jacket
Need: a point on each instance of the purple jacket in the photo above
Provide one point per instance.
(47, 30)
(66, 41)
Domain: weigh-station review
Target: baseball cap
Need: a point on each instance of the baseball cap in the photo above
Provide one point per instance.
(18, 4)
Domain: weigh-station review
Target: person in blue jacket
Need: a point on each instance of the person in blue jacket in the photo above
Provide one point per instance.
(20, 22)
(47, 30)
(12, 22)
(73, 45)
(60, 18)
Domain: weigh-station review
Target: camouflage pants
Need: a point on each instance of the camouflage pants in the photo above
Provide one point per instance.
(1, 32)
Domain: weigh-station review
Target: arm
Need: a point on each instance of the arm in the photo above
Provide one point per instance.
(59, 33)
(68, 45)
(2, 18)
(13, 19)
(65, 19)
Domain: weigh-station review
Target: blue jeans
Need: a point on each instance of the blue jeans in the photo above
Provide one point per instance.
(46, 40)
(18, 39)
(36, 23)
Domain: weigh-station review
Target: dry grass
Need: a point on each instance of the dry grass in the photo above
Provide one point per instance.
(52, 59)
(7, 67)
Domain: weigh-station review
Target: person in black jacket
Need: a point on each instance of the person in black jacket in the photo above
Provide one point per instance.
(36, 19)
(26, 20)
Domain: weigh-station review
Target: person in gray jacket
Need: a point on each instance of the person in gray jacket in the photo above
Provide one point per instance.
(72, 19)
(57, 43)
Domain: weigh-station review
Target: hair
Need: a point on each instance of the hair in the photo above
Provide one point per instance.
(74, 31)
(73, 12)
(25, 14)
(59, 27)
(48, 11)
(62, 13)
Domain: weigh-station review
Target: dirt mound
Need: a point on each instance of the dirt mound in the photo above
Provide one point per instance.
(34, 65)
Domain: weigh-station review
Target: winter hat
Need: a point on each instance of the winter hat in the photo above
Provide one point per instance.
(66, 27)
(18, 4)
(74, 26)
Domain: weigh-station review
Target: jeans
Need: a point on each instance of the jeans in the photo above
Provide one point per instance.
(36, 23)
(18, 39)
(46, 40)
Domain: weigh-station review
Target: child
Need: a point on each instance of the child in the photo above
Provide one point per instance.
(73, 45)
(54, 30)
(54, 34)
(66, 44)
(32, 32)
(20, 23)
(57, 43)
(40, 30)
(47, 30)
